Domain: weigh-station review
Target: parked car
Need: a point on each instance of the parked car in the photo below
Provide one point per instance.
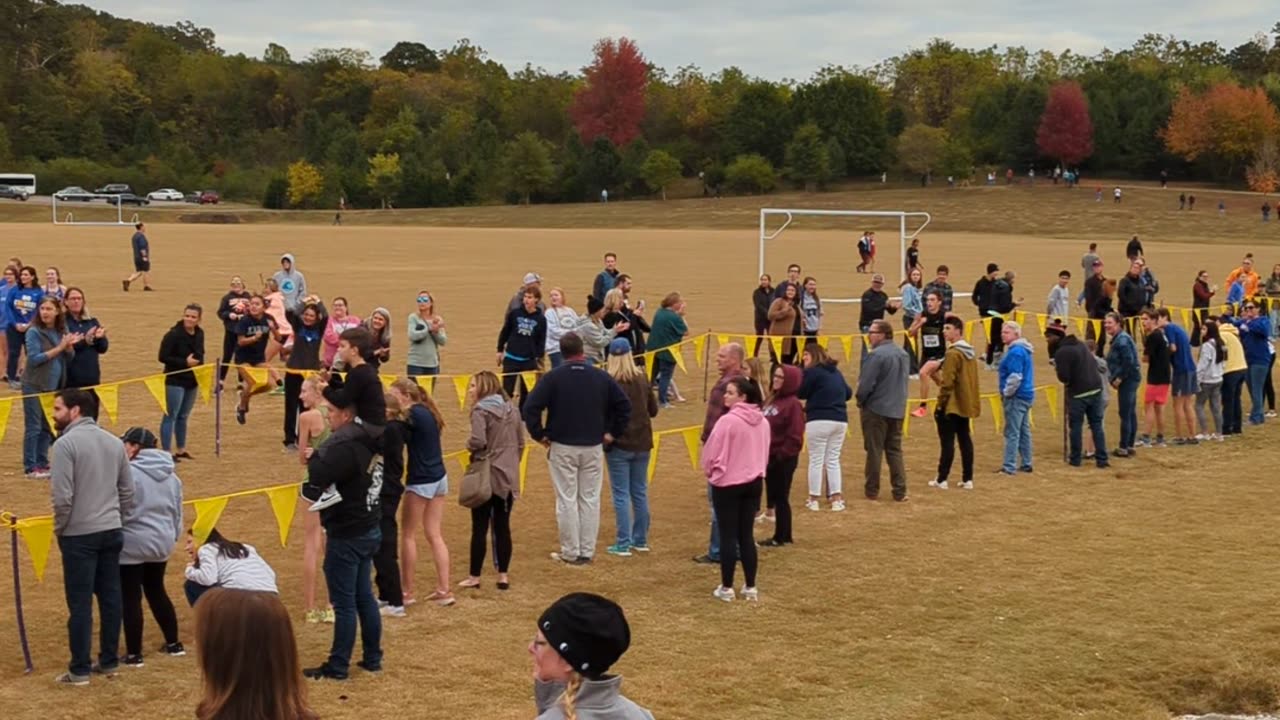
(115, 189)
(13, 193)
(165, 194)
(209, 197)
(127, 199)
(75, 192)
(192, 197)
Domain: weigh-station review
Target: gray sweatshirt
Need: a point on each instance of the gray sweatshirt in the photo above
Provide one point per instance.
(154, 525)
(882, 383)
(595, 338)
(293, 284)
(424, 345)
(597, 700)
(91, 485)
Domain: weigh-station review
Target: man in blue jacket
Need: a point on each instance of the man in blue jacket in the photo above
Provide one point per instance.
(1255, 335)
(1124, 371)
(1017, 392)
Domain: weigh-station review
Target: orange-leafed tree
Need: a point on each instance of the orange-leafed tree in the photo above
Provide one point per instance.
(1225, 124)
(1066, 132)
(1263, 174)
(610, 103)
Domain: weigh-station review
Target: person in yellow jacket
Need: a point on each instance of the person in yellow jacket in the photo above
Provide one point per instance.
(1234, 370)
(958, 403)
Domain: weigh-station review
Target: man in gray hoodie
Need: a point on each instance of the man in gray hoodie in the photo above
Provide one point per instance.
(882, 398)
(292, 284)
(92, 493)
(151, 529)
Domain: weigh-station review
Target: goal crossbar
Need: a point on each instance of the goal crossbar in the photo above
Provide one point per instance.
(69, 218)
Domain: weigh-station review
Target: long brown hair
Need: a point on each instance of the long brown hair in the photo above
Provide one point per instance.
(414, 392)
(248, 658)
(486, 384)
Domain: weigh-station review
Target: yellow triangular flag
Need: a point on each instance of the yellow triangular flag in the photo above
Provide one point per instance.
(1051, 393)
(846, 341)
(1043, 321)
(460, 384)
(722, 340)
(693, 443)
(427, 383)
(866, 341)
(155, 384)
(997, 411)
(464, 459)
(968, 331)
(1080, 324)
(46, 404)
(5, 405)
(648, 364)
(208, 511)
(524, 466)
(911, 340)
(386, 381)
(204, 380)
(1020, 317)
(1186, 317)
(906, 422)
(38, 536)
(986, 326)
(109, 400)
(824, 341)
(530, 378)
(699, 347)
(653, 458)
(678, 355)
(260, 376)
(284, 500)
(1096, 324)
(776, 342)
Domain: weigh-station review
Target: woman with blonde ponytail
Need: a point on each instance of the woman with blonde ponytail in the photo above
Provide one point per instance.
(579, 638)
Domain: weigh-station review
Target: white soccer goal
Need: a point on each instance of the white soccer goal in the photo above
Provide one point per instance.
(70, 219)
(905, 234)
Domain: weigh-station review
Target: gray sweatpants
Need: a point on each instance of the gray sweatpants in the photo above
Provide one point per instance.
(577, 473)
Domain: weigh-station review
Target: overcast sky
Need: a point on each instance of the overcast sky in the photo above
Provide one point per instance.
(771, 39)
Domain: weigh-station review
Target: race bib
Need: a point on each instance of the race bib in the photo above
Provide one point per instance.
(930, 341)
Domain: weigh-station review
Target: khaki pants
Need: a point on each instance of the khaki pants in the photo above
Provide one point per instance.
(577, 474)
(882, 436)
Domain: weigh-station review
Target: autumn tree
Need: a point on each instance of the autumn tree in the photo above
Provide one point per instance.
(384, 176)
(1225, 123)
(527, 165)
(305, 183)
(660, 170)
(1263, 174)
(611, 101)
(808, 161)
(1066, 132)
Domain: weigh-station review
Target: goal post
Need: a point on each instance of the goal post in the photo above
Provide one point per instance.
(907, 220)
(69, 217)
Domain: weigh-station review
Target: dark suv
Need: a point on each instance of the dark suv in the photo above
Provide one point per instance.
(13, 193)
(114, 189)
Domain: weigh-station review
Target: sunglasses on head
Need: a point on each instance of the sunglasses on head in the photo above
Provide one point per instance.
(424, 298)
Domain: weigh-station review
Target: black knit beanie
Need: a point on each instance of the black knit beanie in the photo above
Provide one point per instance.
(588, 631)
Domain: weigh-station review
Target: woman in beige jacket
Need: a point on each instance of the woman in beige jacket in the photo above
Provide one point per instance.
(782, 318)
(496, 433)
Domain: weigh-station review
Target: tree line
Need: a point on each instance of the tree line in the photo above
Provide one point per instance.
(86, 98)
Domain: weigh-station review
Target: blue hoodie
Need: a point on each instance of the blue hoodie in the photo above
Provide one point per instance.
(1255, 335)
(5, 287)
(1017, 372)
(154, 524)
(22, 304)
(826, 394)
(1183, 362)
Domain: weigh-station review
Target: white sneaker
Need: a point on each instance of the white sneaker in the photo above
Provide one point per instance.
(837, 506)
(966, 485)
(940, 484)
(750, 594)
(392, 611)
(812, 504)
(328, 499)
(1220, 437)
(723, 593)
(1202, 437)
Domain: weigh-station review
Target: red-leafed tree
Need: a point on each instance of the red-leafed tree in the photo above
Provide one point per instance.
(1066, 132)
(611, 102)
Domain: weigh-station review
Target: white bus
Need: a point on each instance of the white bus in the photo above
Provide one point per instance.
(26, 181)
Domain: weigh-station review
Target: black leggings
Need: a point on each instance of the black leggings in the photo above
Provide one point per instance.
(148, 579)
(292, 394)
(736, 507)
(777, 479)
(1269, 387)
(510, 380)
(498, 509)
(995, 343)
(229, 341)
(385, 562)
(951, 428)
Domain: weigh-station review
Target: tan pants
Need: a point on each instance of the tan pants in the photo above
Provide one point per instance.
(577, 473)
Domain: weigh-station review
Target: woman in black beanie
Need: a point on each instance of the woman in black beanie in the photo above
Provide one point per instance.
(579, 638)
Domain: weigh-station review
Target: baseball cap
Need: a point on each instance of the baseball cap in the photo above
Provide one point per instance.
(140, 436)
(531, 278)
(877, 278)
(620, 346)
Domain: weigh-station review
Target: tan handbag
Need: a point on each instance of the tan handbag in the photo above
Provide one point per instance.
(477, 483)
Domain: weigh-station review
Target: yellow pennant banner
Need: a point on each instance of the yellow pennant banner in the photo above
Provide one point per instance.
(693, 443)
(530, 378)
(46, 404)
(259, 376)
(155, 384)
(1043, 321)
(1096, 324)
(846, 341)
(722, 340)
(1031, 418)
(6, 405)
(648, 364)
(699, 347)
(968, 332)
(776, 342)
(987, 322)
(1051, 392)
(653, 458)
(109, 400)
(427, 383)
(678, 354)
(38, 536)
(1080, 325)
(997, 411)
(1020, 316)
(207, 513)
(387, 380)
(906, 422)
(204, 380)
(524, 465)
(460, 384)
(284, 500)
(824, 341)
(464, 459)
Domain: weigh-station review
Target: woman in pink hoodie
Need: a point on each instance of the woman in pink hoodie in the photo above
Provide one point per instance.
(785, 415)
(734, 459)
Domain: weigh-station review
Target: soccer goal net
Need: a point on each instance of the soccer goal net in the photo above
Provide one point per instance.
(82, 212)
(906, 225)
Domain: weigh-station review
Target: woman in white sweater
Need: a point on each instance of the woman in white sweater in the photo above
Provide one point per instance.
(225, 563)
(560, 319)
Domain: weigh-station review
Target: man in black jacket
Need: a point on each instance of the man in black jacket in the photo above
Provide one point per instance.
(874, 303)
(586, 409)
(1078, 371)
(350, 463)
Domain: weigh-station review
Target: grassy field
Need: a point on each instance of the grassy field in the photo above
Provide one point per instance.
(1130, 593)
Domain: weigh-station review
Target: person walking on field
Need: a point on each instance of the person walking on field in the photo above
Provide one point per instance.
(786, 427)
(585, 412)
(730, 361)
(1077, 369)
(1124, 371)
(882, 400)
(92, 490)
(141, 260)
(1017, 392)
(958, 405)
(826, 396)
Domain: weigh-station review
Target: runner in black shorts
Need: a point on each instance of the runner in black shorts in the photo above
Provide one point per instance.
(929, 342)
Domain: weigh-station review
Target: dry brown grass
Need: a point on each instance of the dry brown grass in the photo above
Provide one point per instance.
(1122, 594)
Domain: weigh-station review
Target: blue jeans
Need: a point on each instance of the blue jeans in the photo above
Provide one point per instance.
(556, 359)
(415, 370)
(1017, 434)
(666, 368)
(1128, 395)
(628, 484)
(91, 566)
(1257, 378)
(348, 569)
(178, 403)
(36, 436)
(1089, 407)
(713, 547)
(193, 590)
(15, 339)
